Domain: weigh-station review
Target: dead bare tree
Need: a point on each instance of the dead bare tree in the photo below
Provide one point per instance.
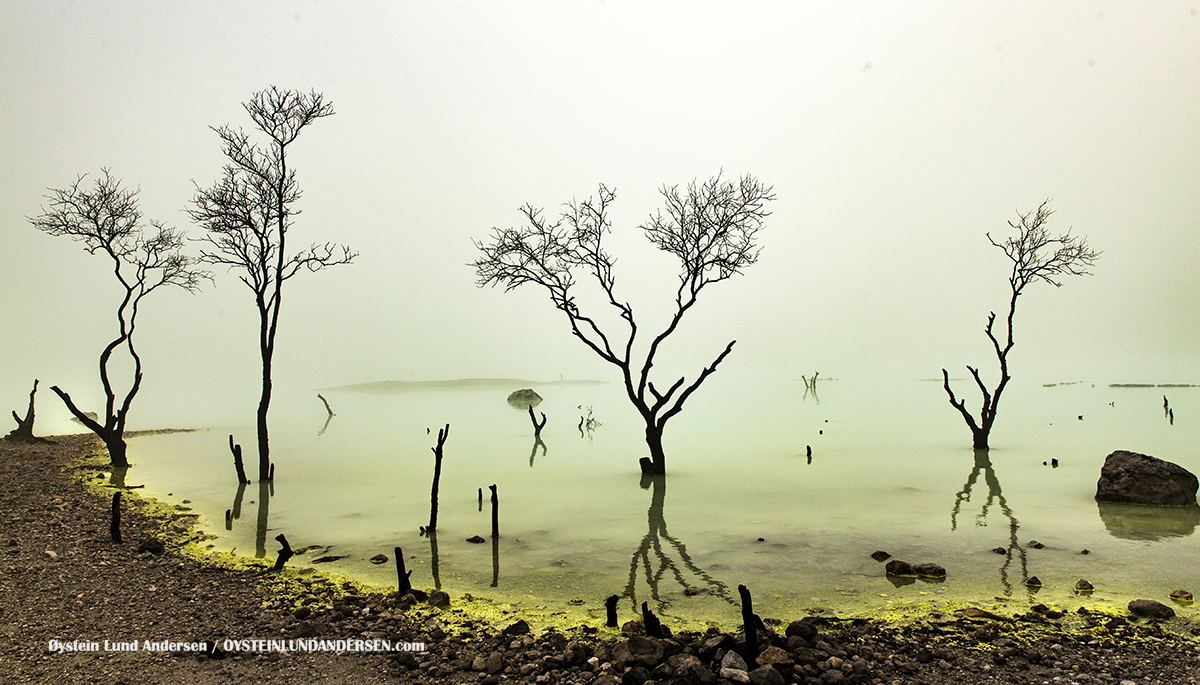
(24, 430)
(711, 228)
(108, 221)
(247, 215)
(1036, 256)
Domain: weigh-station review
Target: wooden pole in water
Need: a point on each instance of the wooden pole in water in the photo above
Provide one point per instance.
(495, 512)
(611, 605)
(114, 527)
(443, 433)
(749, 626)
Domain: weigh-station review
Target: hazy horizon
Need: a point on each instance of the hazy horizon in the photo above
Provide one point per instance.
(895, 138)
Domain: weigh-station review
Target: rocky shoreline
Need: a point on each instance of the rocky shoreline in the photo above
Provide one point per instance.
(169, 616)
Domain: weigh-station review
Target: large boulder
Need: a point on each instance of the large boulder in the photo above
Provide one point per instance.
(523, 399)
(1140, 479)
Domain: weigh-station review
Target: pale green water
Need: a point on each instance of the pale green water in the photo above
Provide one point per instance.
(891, 463)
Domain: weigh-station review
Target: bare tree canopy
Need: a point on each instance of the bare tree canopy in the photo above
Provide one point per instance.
(248, 213)
(106, 218)
(710, 227)
(1036, 255)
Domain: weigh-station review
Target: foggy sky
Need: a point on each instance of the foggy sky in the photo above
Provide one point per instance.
(895, 137)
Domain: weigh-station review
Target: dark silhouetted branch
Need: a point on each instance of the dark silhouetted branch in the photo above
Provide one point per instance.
(437, 476)
(285, 552)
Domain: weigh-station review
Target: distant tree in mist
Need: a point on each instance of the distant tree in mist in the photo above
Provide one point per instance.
(1036, 256)
(710, 228)
(106, 218)
(249, 212)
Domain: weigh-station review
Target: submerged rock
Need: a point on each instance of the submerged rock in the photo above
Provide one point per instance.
(1141, 479)
(1148, 608)
(929, 570)
(1083, 587)
(903, 569)
(880, 555)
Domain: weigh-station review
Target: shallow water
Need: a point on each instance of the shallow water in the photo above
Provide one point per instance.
(891, 470)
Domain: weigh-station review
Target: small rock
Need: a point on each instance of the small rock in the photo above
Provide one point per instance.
(153, 546)
(999, 550)
(929, 570)
(880, 555)
(1181, 596)
(305, 629)
(635, 676)
(639, 651)
(379, 559)
(475, 540)
(1034, 544)
(520, 627)
(734, 675)
(902, 569)
(734, 661)
(766, 675)
(631, 628)
(437, 598)
(1034, 581)
(776, 657)
(1083, 587)
(804, 629)
(494, 663)
(1148, 608)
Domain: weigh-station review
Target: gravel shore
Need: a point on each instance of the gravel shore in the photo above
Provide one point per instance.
(73, 598)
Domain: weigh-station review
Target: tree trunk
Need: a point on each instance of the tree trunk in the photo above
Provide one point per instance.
(264, 403)
(656, 465)
(981, 439)
(116, 449)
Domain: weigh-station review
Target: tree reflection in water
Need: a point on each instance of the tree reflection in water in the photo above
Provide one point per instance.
(983, 464)
(658, 567)
(537, 442)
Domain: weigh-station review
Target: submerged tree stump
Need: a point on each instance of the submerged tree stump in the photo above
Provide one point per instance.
(403, 577)
(537, 427)
(285, 552)
(610, 605)
(238, 464)
(495, 511)
(443, 433)
(749, 626)
(651, 623)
